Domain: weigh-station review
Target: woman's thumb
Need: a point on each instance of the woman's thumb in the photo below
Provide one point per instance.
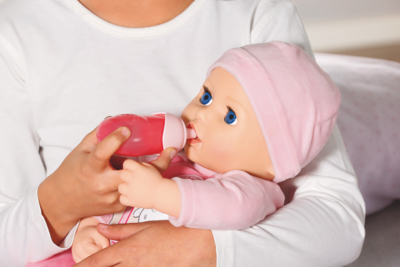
(119, 231)
(164, 159)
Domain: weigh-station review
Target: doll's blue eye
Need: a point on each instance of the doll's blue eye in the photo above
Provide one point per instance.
(206, 98)
(230, 118)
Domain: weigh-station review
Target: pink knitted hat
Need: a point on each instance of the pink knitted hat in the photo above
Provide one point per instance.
(296, 103)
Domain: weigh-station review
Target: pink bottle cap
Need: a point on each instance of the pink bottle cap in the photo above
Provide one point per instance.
(175, 133)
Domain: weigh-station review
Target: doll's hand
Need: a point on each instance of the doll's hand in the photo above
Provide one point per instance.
(87, 240)
(144, 187)
(141, 182)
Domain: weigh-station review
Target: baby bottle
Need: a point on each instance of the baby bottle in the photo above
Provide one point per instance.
(149, 134)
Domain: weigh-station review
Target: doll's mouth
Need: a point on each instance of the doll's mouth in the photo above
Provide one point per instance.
(193, 141)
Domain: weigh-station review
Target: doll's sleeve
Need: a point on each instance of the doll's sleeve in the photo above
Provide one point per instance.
(24, 236)
(322, 223)
(231, 201)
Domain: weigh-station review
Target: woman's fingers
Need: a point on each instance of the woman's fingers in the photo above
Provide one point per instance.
(120, 231)
(101, 154)
(104, 258)
(164, 159)
(113, 180)
(89, 141)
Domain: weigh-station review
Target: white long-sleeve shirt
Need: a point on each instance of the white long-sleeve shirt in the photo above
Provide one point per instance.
(62, 70)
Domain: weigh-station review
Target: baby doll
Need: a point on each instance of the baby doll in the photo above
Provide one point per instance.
(264, 112)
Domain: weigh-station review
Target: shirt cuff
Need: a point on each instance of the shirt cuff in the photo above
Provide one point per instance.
(38, 219)
(225, 249)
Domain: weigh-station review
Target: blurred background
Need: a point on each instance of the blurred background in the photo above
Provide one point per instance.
(369, 28)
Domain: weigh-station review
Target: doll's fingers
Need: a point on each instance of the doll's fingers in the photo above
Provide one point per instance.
(91, 248)
(77, 258)
(126, 175)
(77, 254)
(131, 165)
(100, 156)
(124, 200)
(103, 242)
(123, 189)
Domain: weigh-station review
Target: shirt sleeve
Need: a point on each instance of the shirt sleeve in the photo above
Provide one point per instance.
(24, 236)
(279, 21)
(322, 223)
(231, 201)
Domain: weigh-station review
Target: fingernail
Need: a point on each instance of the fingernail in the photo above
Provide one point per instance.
(103, 226)
(172, 154)
(125, 132)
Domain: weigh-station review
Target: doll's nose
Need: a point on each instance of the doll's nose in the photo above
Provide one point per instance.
(203, 114)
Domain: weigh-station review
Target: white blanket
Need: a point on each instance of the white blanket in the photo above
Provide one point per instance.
(369, 121)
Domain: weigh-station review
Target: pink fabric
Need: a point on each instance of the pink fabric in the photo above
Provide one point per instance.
(369, 123)
(63, 259)
(231, 201)
(296, 103)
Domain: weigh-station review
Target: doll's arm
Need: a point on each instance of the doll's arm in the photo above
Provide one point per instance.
(144, 187)
(235, 200)
(87, 239)
(232, 201)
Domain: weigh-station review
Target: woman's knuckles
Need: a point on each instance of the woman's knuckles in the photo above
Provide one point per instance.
(99, 188)
(100, 154)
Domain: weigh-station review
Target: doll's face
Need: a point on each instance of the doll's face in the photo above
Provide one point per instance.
(229, 136)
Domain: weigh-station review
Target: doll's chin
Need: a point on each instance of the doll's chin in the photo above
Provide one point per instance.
(190, 152)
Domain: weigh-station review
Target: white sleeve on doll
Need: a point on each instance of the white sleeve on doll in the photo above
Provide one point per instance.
(230, 201)
(24, 236)
(323, 225)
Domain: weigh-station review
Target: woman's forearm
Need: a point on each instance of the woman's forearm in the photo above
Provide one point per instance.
(58, 221)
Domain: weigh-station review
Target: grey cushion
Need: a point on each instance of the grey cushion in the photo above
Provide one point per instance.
(382, 241)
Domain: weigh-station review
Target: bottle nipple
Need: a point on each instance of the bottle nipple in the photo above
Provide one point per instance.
(191, 133)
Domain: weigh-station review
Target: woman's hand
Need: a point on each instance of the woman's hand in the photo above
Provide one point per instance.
(83, 185)
(155, 243)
